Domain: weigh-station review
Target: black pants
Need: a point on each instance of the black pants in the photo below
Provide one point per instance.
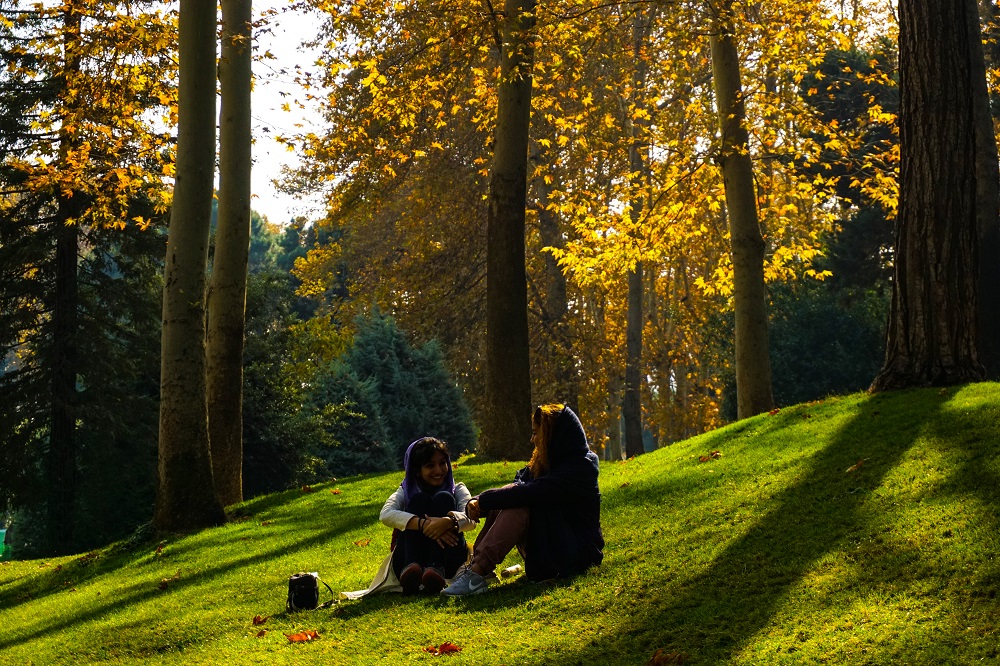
(413, 546)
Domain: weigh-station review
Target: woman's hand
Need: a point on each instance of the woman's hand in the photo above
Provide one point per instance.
(434, 528)
(472, 509)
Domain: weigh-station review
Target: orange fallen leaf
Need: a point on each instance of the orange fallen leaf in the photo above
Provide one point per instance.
(265, 523)
(335, 491)
(257, 619)
(159, 549)
(704, 459)
(362, 542)
(855, 467)
(774, 411)
(302, 636)
(444, 648)
(307, 489)
(262, 633)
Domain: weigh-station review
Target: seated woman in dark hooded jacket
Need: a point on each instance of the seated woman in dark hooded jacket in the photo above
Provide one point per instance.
(551, 513)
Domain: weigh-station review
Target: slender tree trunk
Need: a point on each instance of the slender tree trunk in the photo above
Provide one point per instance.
(62, 474)
(507, 427)
(753, 364)
(987, 201)
(614, 410)
(932, 321)
(557, 304)
(227, 295)
(62, 438)
(639, 167)
(186, 493)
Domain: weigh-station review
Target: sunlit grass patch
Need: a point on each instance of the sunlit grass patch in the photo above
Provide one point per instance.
(861, 529)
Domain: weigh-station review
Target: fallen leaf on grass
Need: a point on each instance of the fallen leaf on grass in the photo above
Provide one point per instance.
(362, 542)
(716, 454)
(165, 582)
(307, 489)
(262, 633)
(84, 560)
(662, 658)
(258, 619)
(159, 549)
(704, 459)
(58, 567)
(774, 411)
(265, 523)
(855, 467)
(302, 636)
(335, 491)
(444, 648)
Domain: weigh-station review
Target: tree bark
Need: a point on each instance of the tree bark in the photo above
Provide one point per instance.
(186, 493)
(62, 476)
(753, 365)
(507, 427)
(639, 168)
(987, 201)
(554, 319)
(61, 462)
(227, 295)
(932, 320)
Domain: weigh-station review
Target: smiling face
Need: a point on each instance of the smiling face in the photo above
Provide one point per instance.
(434, 471)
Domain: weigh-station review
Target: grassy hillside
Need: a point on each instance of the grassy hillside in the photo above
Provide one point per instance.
(854, 530)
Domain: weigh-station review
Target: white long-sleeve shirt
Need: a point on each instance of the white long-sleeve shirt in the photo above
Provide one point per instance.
(395, 515)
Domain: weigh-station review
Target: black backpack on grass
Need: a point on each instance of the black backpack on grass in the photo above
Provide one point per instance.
(303, 592)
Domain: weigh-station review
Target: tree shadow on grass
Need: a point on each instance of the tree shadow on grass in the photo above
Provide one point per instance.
(137, 593)
(712, 615)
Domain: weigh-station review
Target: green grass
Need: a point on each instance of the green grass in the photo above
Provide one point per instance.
(772, 554)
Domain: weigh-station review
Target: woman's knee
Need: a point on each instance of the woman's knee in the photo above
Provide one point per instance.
(442, 503)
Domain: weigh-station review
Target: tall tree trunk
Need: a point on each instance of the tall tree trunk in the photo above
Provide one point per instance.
(62, 438)
(554, 317)
(753, 364)
(507, 427)
(631, 401)
(62, 475)
(227, 295)
(185, 496)
(614, 410)
(639, 167)
(932, 321)
(987, 201)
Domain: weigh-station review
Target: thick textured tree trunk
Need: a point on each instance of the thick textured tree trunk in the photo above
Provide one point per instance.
(753, 364)
(932, 321)
(507, 427)
(987, 201)
(185, 496)
(227, 295)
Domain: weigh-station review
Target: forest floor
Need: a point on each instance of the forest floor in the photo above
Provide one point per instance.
(853, 530)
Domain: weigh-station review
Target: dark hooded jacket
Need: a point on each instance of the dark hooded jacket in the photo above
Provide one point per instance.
(564, 530)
